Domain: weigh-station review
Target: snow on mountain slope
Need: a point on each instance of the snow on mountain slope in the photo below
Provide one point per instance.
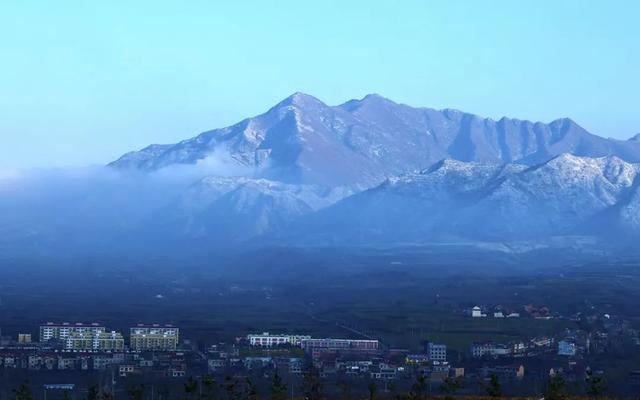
(564, 196)
(629, 213)
(237, 208)
(298, 171)
(303, 140)
(299, 140)
(559, 196)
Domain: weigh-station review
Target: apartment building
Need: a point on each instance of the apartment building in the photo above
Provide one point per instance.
(317, 346)
(267, 340)
(100, 341)
(436, 352)
(109, 341)
(50, 330)
(24, 338)
(154, 337)
(491, 349)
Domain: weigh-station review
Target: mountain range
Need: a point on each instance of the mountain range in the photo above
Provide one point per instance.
(375, 171)
(301, 140)
(365, 172)
(454, 200)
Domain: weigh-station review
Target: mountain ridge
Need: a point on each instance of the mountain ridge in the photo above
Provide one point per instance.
(365, 172)
(486, 202)
(303, 140)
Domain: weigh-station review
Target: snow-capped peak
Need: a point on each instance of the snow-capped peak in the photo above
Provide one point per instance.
(303, 140)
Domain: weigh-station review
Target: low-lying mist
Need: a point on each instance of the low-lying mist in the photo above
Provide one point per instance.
(84, 208)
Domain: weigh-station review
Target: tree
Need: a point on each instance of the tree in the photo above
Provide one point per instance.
(252, 390)
(93, 393)
(419, 388)
(164, 393)
(595, 385)
(230, 386)
(278, 388)
(450, 386)
(311, 383)
(190, 388)
(556, 389)
(136, 392)
(494, 389)
(23, 392)
(345, 389)
(393, 391)
(372, 388)
(209, 385)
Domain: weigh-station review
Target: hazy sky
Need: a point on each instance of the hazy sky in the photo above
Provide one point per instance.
(83, 81)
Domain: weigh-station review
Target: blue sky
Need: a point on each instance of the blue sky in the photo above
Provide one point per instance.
(83, 81)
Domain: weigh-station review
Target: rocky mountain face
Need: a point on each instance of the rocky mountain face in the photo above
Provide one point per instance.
(368, 171)
(431, 175)
(232, 209)
(567, 195)
(301, 140)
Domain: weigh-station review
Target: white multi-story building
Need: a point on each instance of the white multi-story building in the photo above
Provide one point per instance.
(265, 339)
(476, 312)
(64, 330)
(311, 345)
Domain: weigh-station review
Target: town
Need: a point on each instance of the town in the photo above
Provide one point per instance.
(157, 356)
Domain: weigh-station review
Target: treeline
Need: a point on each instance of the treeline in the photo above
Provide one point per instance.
(312, 387)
